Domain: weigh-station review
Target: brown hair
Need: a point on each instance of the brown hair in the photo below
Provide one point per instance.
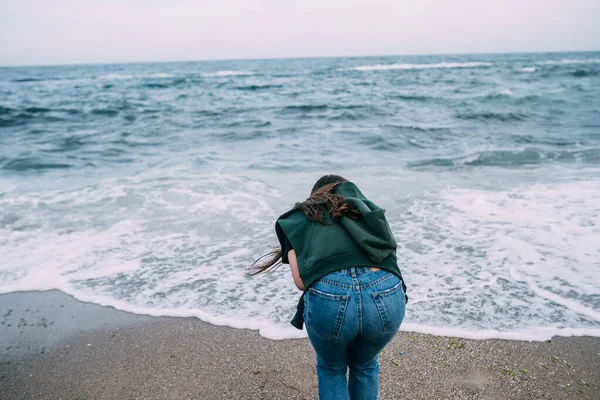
(323, 206)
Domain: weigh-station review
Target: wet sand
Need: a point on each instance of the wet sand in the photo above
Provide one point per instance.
(55, 347)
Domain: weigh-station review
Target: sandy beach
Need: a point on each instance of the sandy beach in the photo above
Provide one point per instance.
(55, 347)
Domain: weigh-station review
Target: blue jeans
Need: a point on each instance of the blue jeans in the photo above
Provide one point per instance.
(350, 316)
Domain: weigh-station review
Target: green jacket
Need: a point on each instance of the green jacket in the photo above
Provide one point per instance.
(324, 248)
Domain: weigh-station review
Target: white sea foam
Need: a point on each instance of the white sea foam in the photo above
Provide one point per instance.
(527, 255)
(159, 75)
(513, 264)
(385, 67)
(528, 69)
(571, 61)
(117, 76)
(546, 294)
(226, 73)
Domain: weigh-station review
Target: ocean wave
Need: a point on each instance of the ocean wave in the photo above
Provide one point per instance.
(528, 69)
(403, 137)
(129, 143)
(409, 97)
(504, 92)
(137, 76)
(159, 75)
(38, 110)
(35, 110)
(117, 76)
(109, 112)
(500, 95)
(571, 61)
(67, 144)
(209, 113)
(385, 67)
(248, 124)
(32, 164)
(580, 73)
(305, 108)
(156, 85)
(10, 117)
(254, 88)
(418, 129)
(512, 158)
(348, 116)
(165, 84)
(544, 141)
(244, 135)
(24, 80)
(339, 111)
(226, 73)
(493, 116)
(6, 110)
(380, 143)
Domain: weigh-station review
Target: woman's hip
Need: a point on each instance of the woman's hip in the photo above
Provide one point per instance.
(347, 303)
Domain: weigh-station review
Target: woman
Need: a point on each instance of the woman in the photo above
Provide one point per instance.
(342, 254)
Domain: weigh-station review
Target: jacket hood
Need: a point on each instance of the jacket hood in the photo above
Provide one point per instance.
(371, 231)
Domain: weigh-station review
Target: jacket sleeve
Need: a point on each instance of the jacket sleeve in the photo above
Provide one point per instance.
(285, 244)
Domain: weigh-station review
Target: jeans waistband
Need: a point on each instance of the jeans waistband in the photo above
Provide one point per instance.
(358, 270)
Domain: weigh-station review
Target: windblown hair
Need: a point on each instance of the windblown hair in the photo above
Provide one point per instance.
(323, 206)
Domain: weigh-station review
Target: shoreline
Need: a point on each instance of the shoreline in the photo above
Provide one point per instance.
(56, 347)
(277, 332)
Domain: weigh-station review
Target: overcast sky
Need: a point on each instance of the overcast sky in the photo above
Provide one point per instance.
(95, 31)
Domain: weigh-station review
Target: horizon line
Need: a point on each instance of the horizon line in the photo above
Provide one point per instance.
(73, 64)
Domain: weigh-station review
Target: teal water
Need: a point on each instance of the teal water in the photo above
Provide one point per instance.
(149, 186)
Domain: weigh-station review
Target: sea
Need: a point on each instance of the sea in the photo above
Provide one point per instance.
(150, 187)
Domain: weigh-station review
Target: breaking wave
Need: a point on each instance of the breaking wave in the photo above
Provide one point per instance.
(512, 158)
(386, 67)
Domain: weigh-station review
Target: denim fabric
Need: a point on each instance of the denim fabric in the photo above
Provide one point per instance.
(350, 315)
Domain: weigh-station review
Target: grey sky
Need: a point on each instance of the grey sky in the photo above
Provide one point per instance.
(91, 31)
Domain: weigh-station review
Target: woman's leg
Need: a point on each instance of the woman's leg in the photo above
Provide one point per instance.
(331, 322)
(363, 380)
(383, 307)
(332, 365)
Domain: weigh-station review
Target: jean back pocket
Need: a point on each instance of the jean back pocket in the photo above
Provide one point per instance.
(325, 313)
(391, 305)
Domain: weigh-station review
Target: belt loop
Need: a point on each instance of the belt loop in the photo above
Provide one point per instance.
(353, 271)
